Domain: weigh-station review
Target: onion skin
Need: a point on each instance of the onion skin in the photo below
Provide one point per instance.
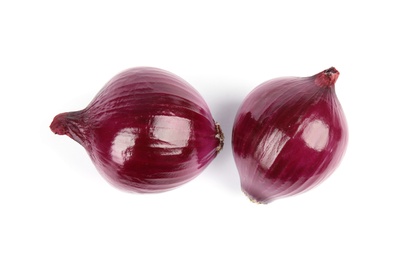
(146, 131)
(289, 135)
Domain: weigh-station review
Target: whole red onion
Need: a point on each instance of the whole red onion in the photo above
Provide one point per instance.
(289, 135)
(146, 131)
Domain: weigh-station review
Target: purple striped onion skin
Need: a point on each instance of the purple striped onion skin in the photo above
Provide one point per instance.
(146, 131)
(289, 135)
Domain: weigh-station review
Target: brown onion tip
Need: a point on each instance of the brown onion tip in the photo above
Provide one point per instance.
(59, 124)
(220, 136)
(252, 199)
(327, 78)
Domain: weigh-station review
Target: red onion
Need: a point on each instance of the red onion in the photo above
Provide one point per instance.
(289, 135)
(146, 131)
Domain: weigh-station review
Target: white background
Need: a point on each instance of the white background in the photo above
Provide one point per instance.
(56, 55)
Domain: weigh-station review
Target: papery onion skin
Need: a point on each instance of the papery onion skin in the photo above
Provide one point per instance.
(146, 131)
(289, 135)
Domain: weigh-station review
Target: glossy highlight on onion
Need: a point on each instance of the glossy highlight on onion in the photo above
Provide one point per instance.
(146, 131)
(289, 135)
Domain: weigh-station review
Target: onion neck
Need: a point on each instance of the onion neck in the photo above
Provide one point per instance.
(327, 78)
(71, 124)
(220, 136)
